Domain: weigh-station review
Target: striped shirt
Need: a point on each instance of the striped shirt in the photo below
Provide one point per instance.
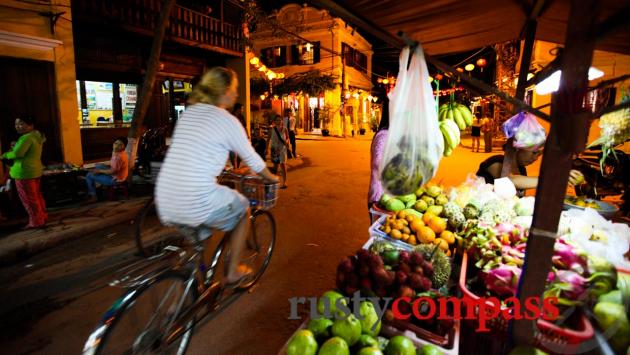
(187, 191)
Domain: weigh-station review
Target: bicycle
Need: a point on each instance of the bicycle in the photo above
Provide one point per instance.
(166, 292)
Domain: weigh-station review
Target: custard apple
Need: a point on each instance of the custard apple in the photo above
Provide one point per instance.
(450, 209)
(457, 220)
(470, 211)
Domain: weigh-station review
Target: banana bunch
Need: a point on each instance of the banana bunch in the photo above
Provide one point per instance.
(456, 112)
(451, 134)
(453, 118)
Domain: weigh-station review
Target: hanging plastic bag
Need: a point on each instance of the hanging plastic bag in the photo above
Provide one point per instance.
(414, 143)
(526, 131)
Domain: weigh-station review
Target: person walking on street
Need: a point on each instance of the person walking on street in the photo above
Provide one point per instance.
(279, 147)
(27, 170)
(476, 132)
(108, 176)
(486, 129)
(259, 143)
(290, 124)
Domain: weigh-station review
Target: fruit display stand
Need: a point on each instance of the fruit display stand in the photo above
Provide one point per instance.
(376, 212)
(548, 335)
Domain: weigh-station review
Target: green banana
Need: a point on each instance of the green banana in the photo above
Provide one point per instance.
(448, 138)
(459, 119)
(449, 114)
(448, 151)
(466, 114)
(452, 128)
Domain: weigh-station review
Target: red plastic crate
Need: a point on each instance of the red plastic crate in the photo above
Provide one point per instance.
(549, 336)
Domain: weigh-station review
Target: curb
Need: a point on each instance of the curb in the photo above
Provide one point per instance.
(21, 245)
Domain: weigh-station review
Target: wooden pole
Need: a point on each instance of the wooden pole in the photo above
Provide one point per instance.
(526, 58)
(146, 91)
(569, 128)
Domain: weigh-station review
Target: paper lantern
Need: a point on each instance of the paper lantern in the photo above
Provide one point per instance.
(438, 77)
(469, 67)
(481, 63)
(254, 61)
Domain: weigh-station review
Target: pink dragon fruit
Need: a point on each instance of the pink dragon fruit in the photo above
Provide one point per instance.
(568, 257)
(568, 284)
(502, 280)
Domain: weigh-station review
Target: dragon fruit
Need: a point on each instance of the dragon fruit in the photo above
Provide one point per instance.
(568, 257)
(568, 285)
(503, 280)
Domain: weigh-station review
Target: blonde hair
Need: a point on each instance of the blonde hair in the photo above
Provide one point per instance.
(213, 84)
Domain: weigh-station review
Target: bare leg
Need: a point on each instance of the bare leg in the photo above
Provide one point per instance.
(237, 242)
(283, 173)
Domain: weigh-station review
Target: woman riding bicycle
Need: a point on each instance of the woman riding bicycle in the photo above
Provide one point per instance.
(187, 192)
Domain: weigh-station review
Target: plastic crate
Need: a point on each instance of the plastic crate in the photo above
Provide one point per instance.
(376, 233)
(548, 336)
(376, 212)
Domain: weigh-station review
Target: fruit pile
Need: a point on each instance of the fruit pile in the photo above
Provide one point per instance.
(429, 198)
(395, 273)
(337, 333)
(453, 118)
(414, 230)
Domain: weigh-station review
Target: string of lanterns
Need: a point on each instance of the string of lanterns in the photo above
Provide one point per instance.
(359, 94)
(270, 74)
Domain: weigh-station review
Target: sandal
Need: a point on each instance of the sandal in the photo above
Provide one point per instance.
(246, 273)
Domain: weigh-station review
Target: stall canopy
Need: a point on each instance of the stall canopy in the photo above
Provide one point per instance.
(450, 26)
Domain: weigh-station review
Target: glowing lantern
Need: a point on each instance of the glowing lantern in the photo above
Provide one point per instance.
(460, 70)
(263, 68)
(385, 81)
(438, 77)
(254, 61)
(481, 63)
(469, 67)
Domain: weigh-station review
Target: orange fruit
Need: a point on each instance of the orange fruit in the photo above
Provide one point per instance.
(398, 225)
(426, 235)
(405, 237)
(437, 224)
(406, 230)
(401, 214)
(441, 243)
(395, 234)
(427, 217)
(410, 218)
(412, 240)
(416, 224)
(448, 236)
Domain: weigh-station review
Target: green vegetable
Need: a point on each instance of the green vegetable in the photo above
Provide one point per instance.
(407, 198)
(612, 297)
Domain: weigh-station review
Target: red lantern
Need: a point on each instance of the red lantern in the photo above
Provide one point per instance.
(438, 77)
(481, 63)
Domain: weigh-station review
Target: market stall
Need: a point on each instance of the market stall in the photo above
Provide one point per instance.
(504, 252)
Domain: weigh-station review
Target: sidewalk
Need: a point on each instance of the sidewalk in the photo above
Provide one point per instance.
(75, 221)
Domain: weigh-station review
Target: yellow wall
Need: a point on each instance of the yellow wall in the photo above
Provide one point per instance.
(23, 18)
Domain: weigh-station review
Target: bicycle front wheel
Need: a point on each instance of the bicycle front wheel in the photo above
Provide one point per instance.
(137, 322)
(259, 244)
(151, 235)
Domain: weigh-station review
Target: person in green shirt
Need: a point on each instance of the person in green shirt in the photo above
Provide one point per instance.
(27, 170)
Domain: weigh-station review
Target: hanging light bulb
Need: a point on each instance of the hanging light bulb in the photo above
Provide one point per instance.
(254, 61)
(262, 97)
(385, 81)
(263, 69)
(271, 75)
(374, 98)
(369, 97)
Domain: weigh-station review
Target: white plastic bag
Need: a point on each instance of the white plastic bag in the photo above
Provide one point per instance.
(414, 143)
(526, 131)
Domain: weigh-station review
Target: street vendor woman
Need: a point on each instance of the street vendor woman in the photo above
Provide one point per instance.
(513, 165)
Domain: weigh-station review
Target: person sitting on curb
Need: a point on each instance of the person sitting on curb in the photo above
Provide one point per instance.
(109, 176)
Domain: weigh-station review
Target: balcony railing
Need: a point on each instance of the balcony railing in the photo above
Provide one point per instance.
(185, 25)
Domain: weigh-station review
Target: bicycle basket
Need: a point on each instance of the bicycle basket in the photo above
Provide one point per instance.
(260, 194)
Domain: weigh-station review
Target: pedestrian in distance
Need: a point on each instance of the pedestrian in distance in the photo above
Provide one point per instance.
(187, 191)
(259, 143)
(279, 147)
(108, 176)
(27, 170)
(476, 132)
(486, 129)
(289, 119)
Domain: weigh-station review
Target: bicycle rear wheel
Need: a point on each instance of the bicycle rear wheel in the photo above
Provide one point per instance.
(136, 323)
(151, 235)
(259, 245)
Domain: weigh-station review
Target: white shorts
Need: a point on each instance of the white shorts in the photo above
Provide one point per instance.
(227, 217)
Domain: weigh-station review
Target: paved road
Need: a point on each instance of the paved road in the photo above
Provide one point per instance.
(50, 303)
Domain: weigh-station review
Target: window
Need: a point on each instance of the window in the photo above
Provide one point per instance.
(354, 58)
(274, 57)
(305, 54)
